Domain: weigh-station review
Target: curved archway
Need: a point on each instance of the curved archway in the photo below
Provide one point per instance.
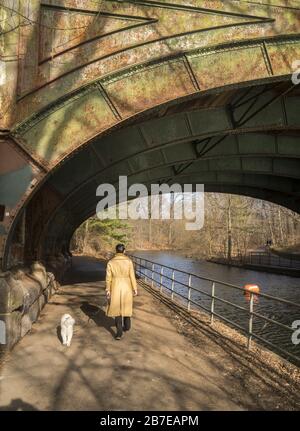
(197, 141)
(157, 67)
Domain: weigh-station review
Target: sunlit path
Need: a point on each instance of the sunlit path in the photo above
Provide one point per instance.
(152, 368)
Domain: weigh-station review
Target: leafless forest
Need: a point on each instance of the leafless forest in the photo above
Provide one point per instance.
(233, 225)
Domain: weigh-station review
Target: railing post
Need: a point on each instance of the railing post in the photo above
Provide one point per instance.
(212, 306)
(152, 269)
(189, 292)
(161, 276)
(250, 320)
(146, 271)
(172, 288)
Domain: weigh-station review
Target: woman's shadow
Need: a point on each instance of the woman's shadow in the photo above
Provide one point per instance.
(98, 316)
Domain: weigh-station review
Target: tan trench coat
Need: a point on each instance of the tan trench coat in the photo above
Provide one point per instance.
(121, 284)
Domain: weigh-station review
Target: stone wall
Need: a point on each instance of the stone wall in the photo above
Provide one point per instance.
(58, 265)
(23, 294)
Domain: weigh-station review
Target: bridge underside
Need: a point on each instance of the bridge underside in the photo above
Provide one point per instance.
(243, 141)
(157, 91)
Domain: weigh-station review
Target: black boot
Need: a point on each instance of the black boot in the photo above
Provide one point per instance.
(118, 321)
(127, 324)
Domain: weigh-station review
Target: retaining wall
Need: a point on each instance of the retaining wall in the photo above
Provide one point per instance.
(23, 294)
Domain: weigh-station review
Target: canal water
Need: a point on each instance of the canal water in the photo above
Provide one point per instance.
(271, 284)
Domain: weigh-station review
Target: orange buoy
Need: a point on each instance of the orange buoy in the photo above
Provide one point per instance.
(252, 288)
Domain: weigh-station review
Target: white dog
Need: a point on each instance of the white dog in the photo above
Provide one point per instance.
(66, 324)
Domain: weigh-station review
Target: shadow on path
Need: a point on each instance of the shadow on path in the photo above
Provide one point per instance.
(84, 269)
(18, 405)
(98, 316)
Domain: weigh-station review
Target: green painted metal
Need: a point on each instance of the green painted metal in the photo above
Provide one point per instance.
(55, 135)
(153, 89)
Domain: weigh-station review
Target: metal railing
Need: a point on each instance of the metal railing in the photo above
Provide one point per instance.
(269, 259)
(156, 274)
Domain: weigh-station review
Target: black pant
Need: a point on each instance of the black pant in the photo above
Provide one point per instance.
(127, 324)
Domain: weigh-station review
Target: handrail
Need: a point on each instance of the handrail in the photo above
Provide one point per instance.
(268, 258)
(143, 263)
(265, 295)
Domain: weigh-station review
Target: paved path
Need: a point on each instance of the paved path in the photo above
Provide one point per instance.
(152, 368)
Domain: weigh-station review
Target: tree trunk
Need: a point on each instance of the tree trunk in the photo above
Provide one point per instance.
(280, 227)
(86, 234)
(150, 232)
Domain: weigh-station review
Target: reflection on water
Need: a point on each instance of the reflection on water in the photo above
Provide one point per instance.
(272, 284)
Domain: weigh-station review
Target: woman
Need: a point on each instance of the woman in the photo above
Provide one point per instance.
(120, 288)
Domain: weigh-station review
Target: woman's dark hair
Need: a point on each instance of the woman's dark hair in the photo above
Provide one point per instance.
(120, 248)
